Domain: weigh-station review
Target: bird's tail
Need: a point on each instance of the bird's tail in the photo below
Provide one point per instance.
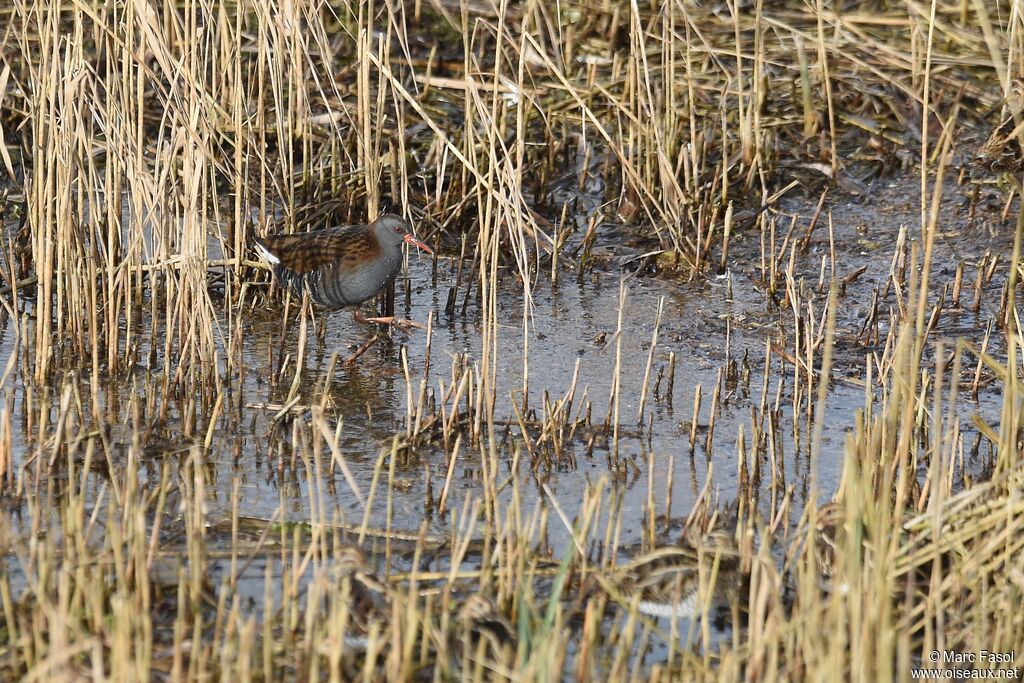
(265, 254)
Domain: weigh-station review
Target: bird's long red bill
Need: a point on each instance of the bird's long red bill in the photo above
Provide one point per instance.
(416, 243)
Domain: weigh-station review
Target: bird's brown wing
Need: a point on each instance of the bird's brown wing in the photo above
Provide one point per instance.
(344, 248)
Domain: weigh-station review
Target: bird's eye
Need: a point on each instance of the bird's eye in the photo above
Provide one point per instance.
(398, 228)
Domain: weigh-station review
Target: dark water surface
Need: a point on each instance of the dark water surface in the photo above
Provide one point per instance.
(707, 322)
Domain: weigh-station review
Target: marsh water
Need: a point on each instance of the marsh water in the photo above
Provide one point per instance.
(720, 327)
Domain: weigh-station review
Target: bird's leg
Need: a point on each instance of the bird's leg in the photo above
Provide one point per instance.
(397, 323)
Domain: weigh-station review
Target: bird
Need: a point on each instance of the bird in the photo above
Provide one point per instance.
(342, 266)
(490, 633)
(1001, 156)
(369, 598)
(843, 540)
(666, 581)
(829, 536)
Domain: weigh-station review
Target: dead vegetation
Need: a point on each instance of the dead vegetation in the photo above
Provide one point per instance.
(144, 144)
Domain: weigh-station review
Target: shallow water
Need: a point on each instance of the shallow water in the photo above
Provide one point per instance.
(707, 322)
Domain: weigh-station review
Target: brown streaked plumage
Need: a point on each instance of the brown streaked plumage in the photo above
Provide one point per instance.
(369, 597)
(490, 632)
(666, 581)
(844, 537)
(306, 252)
(341, 266)
(1001, 155)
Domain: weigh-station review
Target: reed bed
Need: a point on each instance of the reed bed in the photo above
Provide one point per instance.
(143, 146)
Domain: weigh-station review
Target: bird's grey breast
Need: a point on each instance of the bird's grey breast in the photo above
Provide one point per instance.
(337, 287)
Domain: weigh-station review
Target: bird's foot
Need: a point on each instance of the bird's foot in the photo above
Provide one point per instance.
(397, 323)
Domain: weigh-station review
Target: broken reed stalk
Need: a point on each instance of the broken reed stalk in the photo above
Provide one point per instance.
(612, 419)
(650, 361)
